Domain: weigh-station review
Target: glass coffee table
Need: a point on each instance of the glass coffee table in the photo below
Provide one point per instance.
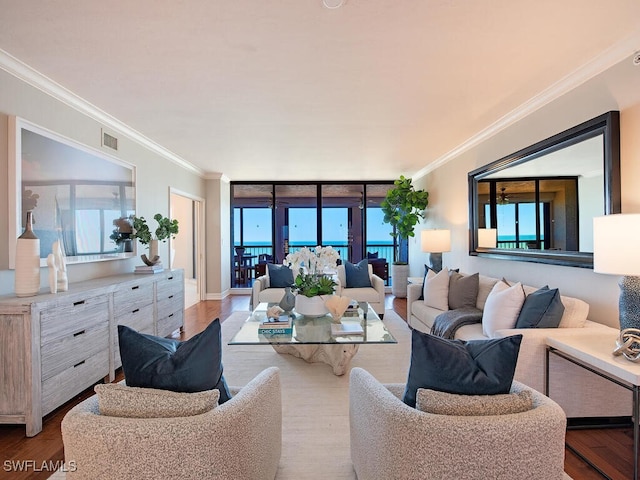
(311, 338)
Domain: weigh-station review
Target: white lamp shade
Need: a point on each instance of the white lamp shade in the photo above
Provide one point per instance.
(487, 237)
(436, 241)
(615, 244)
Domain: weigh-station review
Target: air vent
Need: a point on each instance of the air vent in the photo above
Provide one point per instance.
(109, 141)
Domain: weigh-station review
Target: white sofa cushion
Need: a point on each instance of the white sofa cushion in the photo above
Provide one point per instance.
(436, 289)
(575, 312)
(502, 308)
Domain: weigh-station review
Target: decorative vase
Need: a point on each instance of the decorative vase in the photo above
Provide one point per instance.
(27, 274)
(288, 301)
(311, 306)
(153, 258)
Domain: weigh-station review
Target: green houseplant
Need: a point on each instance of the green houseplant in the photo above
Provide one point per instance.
(403, 207)
(166, 229)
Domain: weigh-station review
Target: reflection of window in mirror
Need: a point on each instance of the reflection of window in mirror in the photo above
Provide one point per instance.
(532, 214)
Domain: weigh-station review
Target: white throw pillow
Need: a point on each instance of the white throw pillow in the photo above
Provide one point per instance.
(435, 290)
(502, 308)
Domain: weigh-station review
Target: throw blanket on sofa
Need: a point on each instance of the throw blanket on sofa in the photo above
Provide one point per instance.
(446, 324)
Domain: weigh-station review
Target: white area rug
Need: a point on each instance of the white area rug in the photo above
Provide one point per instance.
(315, 402)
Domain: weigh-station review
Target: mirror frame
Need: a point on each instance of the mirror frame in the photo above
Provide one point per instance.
(16, 126)
(607, 125)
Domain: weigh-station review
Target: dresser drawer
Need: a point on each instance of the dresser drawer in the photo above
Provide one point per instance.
(132, 297)
(170, 304)
(168, 324)
(139, 319)
(65, 352)
(75, 379)
(72, 315)
(171, 284)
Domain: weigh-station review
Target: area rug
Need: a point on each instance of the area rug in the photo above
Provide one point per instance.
(315, 402)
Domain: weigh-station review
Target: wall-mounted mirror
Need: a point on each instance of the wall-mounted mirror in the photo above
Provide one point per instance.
(538, 204)
(78, 195)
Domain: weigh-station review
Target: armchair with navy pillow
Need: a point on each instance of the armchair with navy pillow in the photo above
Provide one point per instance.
(358, 282)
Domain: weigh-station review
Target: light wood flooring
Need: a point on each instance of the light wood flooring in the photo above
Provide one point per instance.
(611, 448)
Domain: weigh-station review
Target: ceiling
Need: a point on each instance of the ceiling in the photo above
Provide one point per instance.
(290, 90)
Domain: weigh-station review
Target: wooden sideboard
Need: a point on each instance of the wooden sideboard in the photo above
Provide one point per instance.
(54, 346)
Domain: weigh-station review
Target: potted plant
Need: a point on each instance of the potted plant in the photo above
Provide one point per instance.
(403, 207)
(312, 283)
(166, 229)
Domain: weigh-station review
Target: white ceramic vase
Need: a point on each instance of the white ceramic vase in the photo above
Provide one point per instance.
(311, 306)
(27, 273)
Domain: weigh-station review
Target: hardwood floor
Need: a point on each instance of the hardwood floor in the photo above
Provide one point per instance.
(612, 448)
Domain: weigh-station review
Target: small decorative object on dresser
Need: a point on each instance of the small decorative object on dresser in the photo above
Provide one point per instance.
(27, 274)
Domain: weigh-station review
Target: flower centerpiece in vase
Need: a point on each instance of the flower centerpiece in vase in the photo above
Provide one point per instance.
(314, 282)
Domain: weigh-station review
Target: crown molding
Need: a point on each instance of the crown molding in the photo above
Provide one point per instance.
(597, 65)
(31, 76)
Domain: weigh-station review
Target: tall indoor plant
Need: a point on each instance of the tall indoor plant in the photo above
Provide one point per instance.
(166, 229)
(403, 207)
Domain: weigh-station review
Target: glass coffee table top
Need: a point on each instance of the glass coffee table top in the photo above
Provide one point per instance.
(309, 331)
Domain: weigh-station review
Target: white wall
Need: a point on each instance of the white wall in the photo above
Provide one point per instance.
(155, 174)
(615, 89)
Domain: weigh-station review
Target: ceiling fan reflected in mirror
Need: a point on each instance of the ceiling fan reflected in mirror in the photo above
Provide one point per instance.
(503, 198)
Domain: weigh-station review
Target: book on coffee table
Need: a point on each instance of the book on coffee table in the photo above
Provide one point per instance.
(341, 329)
(282, 326)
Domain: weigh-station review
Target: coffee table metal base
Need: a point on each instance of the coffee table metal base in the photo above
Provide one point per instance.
(337, 355)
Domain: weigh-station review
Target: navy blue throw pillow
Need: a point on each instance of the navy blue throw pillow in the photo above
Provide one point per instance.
(357, 275)
(474, 367)
(194, 365)
(280, 276)
(541, 309)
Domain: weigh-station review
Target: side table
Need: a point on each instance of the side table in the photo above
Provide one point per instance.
(594, 353)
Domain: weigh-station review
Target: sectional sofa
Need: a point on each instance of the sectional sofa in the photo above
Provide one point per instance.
(579, 392)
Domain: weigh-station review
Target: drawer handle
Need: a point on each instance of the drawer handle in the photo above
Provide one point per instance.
(135, 311)
(171, 315)
(81, 302)
(78, 364)
(169, 278)
(136, 287)
(170, 296)
(81, 332)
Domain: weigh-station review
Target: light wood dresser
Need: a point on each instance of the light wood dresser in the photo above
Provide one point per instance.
(54, 346)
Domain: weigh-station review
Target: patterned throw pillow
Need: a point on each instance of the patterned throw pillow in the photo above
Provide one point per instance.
(442, 403)
(116, 400)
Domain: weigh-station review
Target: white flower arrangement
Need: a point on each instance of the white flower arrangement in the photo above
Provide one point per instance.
(313, 261)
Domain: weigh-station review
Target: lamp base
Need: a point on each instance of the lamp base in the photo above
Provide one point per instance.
(629, 303)
(436, 261)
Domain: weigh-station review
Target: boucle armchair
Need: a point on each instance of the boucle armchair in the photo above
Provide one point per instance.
(242, 438)
(390, 440)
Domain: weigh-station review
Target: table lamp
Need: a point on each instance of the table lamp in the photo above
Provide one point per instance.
(487, 237)
(435, 242)
(615, 251)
